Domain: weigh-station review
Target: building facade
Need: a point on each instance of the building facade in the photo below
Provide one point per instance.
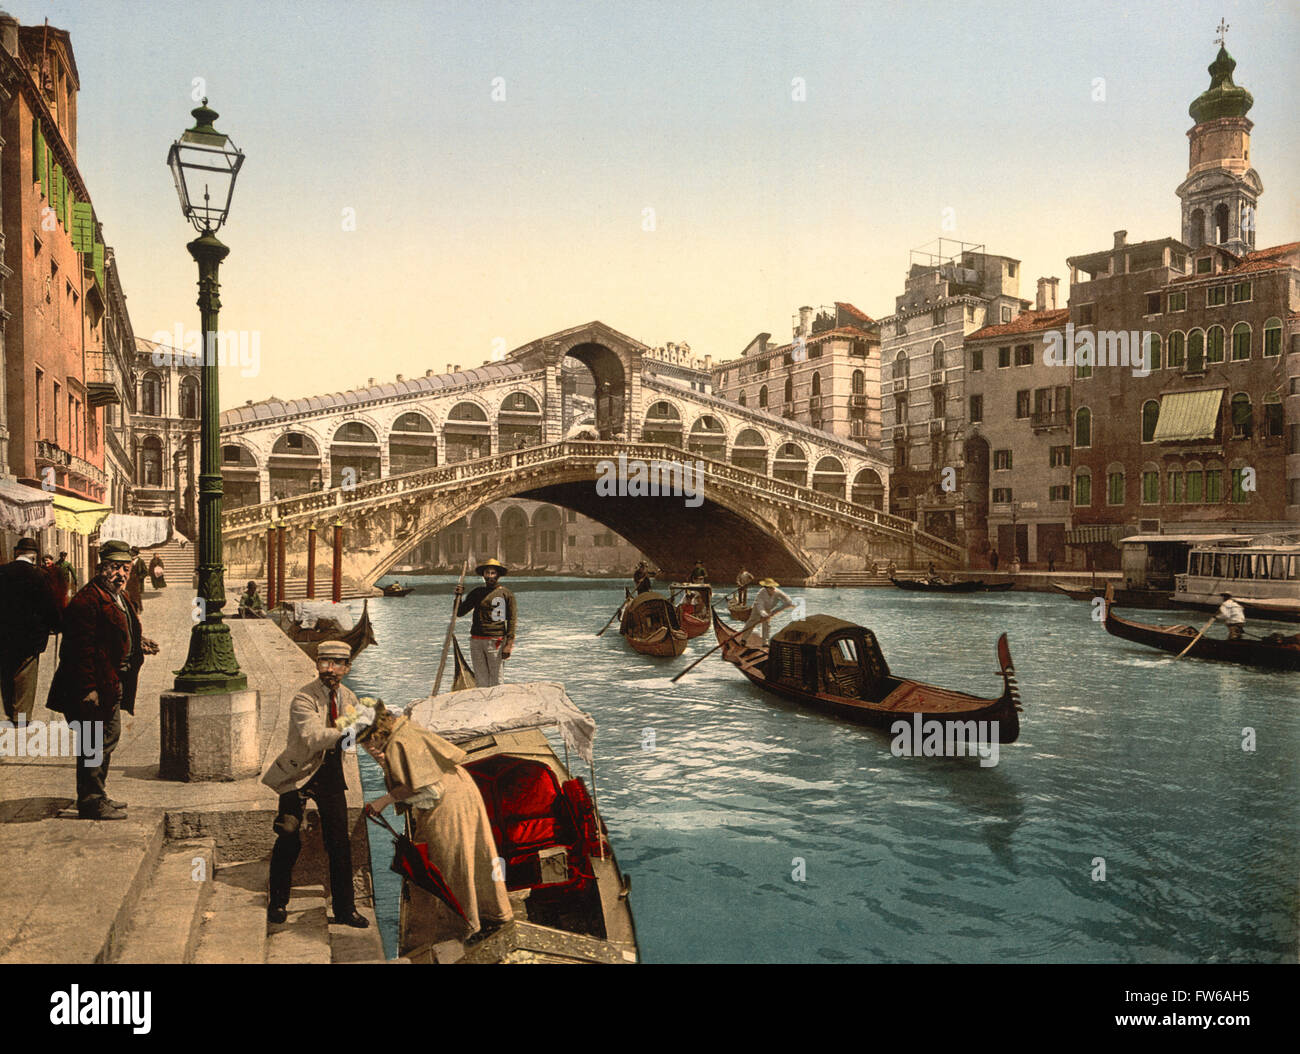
(164, 434)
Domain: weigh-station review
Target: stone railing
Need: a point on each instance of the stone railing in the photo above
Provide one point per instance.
(580, 451)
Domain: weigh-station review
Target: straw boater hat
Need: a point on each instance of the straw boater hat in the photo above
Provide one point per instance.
(333, 649)
(769, 582)
(500, 567)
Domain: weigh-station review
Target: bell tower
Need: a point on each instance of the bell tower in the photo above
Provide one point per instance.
(1221, 189)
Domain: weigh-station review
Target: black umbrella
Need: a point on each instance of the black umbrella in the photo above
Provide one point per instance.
(411, 861)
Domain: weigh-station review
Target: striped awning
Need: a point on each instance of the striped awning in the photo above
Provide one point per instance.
(1093, 534)
(78, 515)
(1188, 415)
(24, 509)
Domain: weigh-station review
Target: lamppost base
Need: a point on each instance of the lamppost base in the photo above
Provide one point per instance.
(211, 665)
(209, 736)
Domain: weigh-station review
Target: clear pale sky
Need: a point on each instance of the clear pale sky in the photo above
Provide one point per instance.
(478, 219)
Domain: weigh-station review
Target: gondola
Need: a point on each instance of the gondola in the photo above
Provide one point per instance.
(999, 587)
(826, 664)
(1275, 651)
(395, 589)
(692, 601)
(569, 897)
(740, 612)
(1129, 598)
(309, 622)
(650, 624)
(934, 585)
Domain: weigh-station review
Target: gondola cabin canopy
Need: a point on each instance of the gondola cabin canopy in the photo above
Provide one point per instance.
(646, 612)
(824, 654)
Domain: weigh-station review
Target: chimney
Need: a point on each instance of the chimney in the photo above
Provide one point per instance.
(455, 369)
(708, 361)
(370, 383)
(1047, 294)
(805, 322)
(400, 378)
(1121, 239)
(428, 373)
(451, 368)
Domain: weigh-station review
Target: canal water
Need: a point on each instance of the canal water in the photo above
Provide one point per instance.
(1127, 824)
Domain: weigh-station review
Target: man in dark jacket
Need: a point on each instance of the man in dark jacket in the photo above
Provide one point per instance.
(103, 650)
(28, 615)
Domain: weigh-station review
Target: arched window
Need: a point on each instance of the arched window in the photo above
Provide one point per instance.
(1150, 415)
(816, 384)
(1273, 419)
(762, 397)
(1083, 427)
(900, 365)
(1242, 416)
(1153, 351)
(151, 462)
(150, 395)
(1214, 344)
(1220, 224)
(859, 383)
(1272, 337)
(1240, 342)
(789, 390)
(741, 399)
(1196, 228)
(190, 398)
(1150, 484)
(1177, 351)
(936, 353)
(1115, 484)
(1196, 351)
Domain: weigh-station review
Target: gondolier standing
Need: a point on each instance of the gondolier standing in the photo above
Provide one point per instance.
(492, 632)
(1232, 613)
(769, 601)
(743, 581)
(643, 577)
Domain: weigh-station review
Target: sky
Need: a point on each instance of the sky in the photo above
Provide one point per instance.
(426, 183)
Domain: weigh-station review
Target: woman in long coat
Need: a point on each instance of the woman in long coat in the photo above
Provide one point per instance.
(424, 773)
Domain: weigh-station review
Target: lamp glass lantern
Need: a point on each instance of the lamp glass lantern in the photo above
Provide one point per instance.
(204, 164)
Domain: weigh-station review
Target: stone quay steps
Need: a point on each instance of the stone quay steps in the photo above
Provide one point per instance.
(305, 936)
(58, 909)
(234, 926)
(859, 578)
(165, 925)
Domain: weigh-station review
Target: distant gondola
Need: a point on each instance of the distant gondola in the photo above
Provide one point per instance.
(934, 585)
(1275, 651)
(693, 614)
(307, 623)
(394, 589)
(740, 612)
(826, 664)
(651, 626)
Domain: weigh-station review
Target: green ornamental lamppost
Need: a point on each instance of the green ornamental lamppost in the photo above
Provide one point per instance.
(205, 163)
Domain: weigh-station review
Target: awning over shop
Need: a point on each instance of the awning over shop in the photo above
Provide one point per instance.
(1188, 415)
(1094, 534)
(143, 532)
(23, 509)
(78, 515)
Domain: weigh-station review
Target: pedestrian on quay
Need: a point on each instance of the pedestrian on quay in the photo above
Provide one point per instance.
(29, 613)
(425, 776)
(492, 632)
(69, 578)
(99, 663)
(1051, 562)
(250, 603)
(769, 602)
(993, 559)
(1233, 614)
(743, 581)
(156, 573)
(135, 584)
(312, 767)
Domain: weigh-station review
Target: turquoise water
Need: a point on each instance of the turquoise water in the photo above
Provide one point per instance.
(756, 832)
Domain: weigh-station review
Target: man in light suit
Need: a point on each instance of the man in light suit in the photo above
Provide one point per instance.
(312, 767)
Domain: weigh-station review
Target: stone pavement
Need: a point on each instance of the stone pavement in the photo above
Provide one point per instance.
(71, 887)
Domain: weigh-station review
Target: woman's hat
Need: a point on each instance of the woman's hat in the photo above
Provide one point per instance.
(500, 567)
(769, 582)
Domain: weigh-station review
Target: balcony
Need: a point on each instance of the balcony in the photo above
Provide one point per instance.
(814, 403)
(936, 426)
(54, 454)
(1046, 420)
(858, 429)
(899, 385)
(102, 380)
(858, 402)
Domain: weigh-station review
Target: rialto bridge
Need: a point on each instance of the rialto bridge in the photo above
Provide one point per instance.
(398, 462)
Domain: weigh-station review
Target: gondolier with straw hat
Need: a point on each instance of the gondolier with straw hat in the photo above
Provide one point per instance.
(1233, 614)
(769, 601)
(492, 631)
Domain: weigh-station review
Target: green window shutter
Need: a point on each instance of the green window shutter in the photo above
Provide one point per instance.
(98, 257)
(83, 227)
(38, 156)
(56, 191)
(71, 205)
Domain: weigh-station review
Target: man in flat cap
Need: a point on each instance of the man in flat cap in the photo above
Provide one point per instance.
(103, 650)
(29, 613)
(492, 632)
(312, 767)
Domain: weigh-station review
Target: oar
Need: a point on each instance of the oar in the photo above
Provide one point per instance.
(715, 648)
(627, 593)
(1196, 638)
(451, 628)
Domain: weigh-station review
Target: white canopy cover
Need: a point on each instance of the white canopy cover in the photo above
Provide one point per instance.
(307, 612)
(463, 715)
(144, 532)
